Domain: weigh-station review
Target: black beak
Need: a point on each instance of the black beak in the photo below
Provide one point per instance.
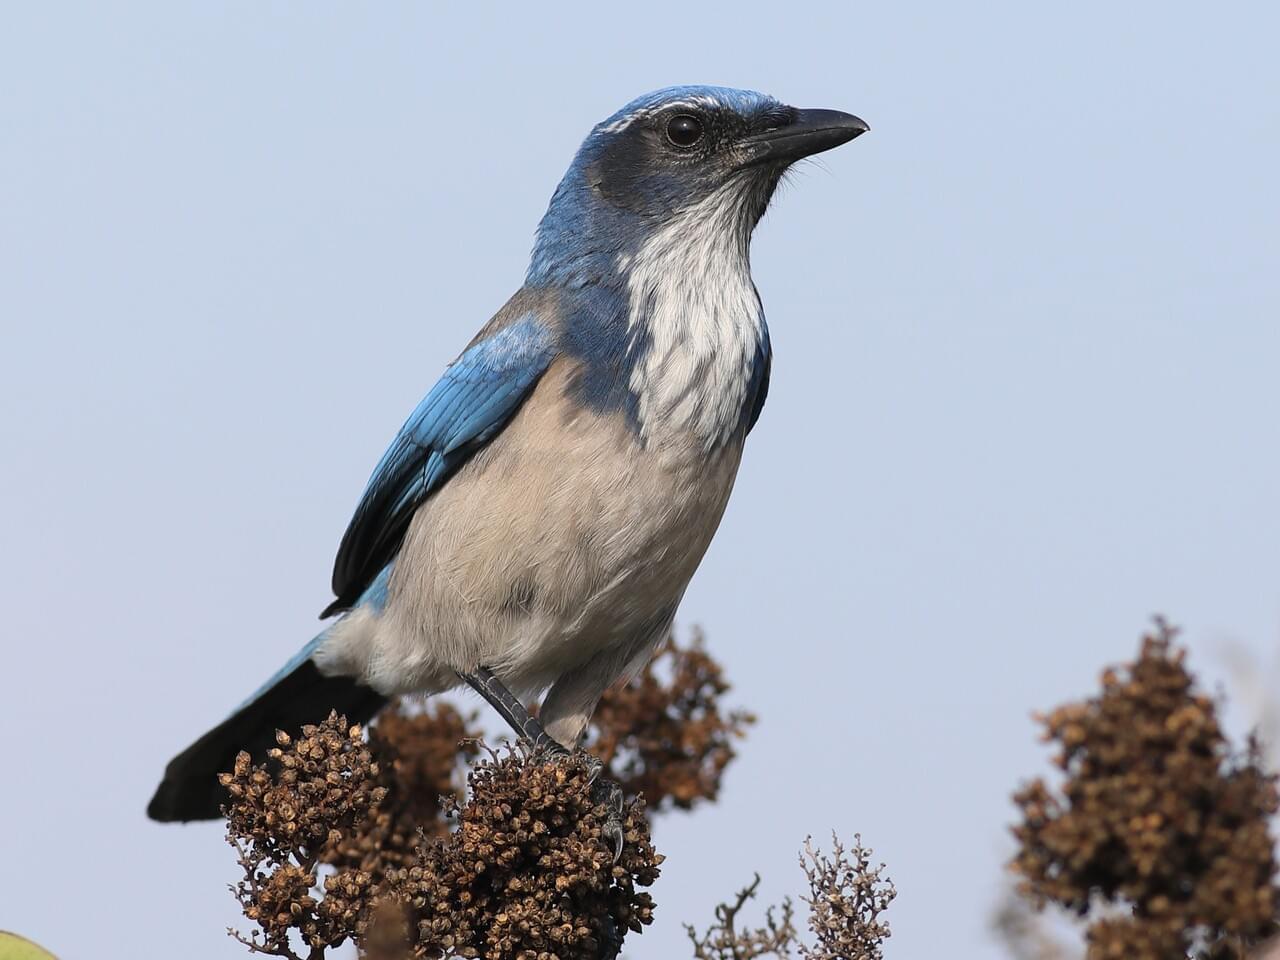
(811, 132)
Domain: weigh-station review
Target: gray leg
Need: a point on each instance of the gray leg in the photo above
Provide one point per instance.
(531, 732)
(510, 708)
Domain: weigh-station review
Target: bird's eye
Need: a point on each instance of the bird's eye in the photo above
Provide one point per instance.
(684, 130)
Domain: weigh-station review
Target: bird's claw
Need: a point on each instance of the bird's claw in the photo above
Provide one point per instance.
(612, 834)
(603, 791)
(608, 793)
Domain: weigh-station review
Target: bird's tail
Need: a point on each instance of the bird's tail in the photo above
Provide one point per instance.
(297, 695)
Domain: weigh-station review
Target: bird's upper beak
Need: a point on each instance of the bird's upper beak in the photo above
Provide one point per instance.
(811, 132)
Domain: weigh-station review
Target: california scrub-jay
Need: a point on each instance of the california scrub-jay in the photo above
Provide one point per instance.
(535, 522)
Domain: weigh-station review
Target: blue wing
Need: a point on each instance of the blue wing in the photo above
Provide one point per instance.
(469, 405)
(759, 386)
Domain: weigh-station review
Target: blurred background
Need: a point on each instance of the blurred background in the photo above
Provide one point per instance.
(1024, 397)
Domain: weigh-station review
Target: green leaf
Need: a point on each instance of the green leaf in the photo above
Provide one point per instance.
(14, 947)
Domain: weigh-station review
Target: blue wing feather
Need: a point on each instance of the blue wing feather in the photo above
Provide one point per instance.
(760, 378)
(466, 408)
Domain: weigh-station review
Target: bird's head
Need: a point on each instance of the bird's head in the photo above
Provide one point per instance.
(672, 153)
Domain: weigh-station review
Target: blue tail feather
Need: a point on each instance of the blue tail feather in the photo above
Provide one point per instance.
(297, 695)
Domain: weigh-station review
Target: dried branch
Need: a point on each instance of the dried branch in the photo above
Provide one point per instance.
(723, 940)
(846, 899)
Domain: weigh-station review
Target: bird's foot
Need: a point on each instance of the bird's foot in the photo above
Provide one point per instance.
(604, 792)
(548, 749)
(545, 749)
(607, 792)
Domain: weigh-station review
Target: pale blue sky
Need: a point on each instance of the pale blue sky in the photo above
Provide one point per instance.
(1024, 395)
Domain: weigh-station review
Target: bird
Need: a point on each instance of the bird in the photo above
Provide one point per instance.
(534, 524)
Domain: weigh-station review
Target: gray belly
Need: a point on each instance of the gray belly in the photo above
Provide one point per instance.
(563, 537)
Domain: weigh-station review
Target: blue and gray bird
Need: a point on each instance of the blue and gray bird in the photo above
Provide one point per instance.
(536, 520)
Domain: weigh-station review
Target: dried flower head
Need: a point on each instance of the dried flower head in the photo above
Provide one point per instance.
(325, 780)
(847, 895)
(1156, 815)
(421, 758)
(343, 837)
(525, 875)
(664, 734)
(281, 816)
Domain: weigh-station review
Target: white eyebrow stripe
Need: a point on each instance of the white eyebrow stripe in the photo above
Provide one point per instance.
(622, 123)
(645, 112)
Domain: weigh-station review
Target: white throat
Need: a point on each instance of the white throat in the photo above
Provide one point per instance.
(690, 293)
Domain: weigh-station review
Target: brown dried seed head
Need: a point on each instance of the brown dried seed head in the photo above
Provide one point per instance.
(1156, 813)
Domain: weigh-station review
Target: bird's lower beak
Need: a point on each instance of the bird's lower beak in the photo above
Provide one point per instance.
(812, 131)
